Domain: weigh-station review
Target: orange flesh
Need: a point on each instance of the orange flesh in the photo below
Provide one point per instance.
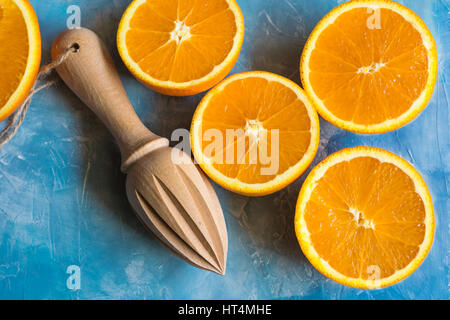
(365, 213)
(366, 75)
(180, 41)
(14, 55)
(257, 105)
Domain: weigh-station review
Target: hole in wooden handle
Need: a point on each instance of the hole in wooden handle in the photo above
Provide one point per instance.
(75, 47)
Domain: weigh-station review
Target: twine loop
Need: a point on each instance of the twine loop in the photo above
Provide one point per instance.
(14, 121)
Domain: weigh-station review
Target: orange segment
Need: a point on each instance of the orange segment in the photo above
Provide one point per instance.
(365, 218)
(180, 47)
(370, 66)
(20, 53)
(254, 133)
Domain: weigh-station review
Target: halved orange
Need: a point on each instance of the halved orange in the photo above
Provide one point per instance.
(20, 53)
(370, 66)
(180, 47)
(364, 218)
(255, 133)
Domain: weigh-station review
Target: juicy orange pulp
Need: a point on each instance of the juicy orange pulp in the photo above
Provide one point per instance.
(373, 82)
(366, 217)
(371, 67)
(377, 220)
(257, 103)
(16, 54)
(258, 106)
(173, 42)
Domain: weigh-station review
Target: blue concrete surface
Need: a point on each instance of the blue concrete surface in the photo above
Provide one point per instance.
(62, 199)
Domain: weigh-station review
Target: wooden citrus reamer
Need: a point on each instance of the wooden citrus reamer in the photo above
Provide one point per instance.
(170, 195)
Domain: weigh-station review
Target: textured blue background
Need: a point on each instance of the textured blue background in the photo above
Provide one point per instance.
(62, 199)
